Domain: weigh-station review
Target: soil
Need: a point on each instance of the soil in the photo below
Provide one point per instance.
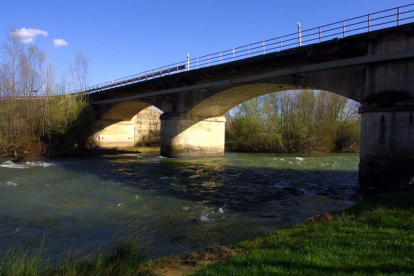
(191, 262)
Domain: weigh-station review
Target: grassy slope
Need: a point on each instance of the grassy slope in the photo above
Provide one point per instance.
(375, 237)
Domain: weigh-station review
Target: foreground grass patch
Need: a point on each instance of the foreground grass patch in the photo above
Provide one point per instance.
(375, 237)
(125, 260)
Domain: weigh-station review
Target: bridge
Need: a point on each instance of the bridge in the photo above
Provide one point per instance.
(355, 58)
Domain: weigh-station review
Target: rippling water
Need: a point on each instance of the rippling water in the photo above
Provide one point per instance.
(180, 204)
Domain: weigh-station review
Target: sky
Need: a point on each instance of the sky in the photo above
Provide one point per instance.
(121, 38)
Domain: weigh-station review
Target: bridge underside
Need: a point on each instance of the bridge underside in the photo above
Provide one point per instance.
(354, 67)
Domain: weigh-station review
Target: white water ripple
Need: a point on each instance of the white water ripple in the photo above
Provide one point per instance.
(25, 165)
(10, 184)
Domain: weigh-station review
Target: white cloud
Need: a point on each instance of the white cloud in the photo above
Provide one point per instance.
(58, 42)
(28, 35)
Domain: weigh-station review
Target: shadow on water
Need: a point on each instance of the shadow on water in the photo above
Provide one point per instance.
(218, 182)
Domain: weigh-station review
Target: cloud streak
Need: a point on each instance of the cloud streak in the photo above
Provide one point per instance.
(28, 35)
(58, 42)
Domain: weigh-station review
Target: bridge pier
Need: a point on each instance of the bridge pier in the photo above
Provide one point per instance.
(387, 145)
(187, 136)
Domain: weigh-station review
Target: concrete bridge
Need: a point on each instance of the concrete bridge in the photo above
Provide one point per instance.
(355, 67)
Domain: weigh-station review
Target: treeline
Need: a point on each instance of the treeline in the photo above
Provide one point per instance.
(37, 117)
(294, 121)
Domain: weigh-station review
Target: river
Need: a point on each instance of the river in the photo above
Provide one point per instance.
(179, 205)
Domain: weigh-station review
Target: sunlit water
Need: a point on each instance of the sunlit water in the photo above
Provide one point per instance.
(181, 205)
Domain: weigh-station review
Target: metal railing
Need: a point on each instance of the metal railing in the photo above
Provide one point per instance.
(361, 24)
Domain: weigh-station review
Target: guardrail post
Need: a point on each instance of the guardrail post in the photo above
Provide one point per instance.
(248, 50)
(369, 22)
(197, 63)
(280, 44)
(234, 54)
(208, 60)
(343, 29)
(320, 34)
(221, 57)
(299, 35)
(264, 47)
(398, 16)
(188, 62)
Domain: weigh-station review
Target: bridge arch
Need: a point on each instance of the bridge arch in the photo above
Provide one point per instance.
(124, 111)
(220, 103)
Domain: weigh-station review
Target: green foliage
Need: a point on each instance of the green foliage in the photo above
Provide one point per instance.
(372, 238)
(34, 127)
(294, 121)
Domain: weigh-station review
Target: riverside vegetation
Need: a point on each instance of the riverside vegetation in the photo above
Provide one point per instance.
(294, 121)
(37, 115)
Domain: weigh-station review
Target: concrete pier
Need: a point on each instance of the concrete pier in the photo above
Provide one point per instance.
(186, 136)
(387, 144)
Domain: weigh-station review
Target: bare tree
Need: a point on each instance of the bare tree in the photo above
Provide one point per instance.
(79, 72)
(12, 49)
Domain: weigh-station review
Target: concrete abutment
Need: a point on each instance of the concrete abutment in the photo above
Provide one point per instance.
(187, 136)
(113, 133)
(387, 145)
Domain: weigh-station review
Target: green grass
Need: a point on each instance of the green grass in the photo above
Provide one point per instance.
(374, 237)
(125, 260)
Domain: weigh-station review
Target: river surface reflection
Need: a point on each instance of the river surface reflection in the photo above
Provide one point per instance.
(180, 204)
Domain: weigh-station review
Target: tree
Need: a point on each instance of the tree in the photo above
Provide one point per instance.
(294, 121)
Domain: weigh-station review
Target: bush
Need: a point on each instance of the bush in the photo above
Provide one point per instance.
(152, 139)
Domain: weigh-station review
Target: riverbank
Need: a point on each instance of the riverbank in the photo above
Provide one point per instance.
(373, 237)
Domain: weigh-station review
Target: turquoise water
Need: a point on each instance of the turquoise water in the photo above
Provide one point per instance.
(179, 205)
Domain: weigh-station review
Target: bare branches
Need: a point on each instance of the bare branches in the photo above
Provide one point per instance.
(32, 115)
(79, 72)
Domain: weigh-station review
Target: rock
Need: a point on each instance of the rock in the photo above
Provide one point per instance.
(320, 217)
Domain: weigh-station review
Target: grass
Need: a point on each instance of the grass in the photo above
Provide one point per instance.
(374, 237)
(125, 260)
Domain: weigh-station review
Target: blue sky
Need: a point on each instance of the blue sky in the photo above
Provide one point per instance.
(121, 38)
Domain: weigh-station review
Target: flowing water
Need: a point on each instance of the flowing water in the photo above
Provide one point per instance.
(180, 205)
